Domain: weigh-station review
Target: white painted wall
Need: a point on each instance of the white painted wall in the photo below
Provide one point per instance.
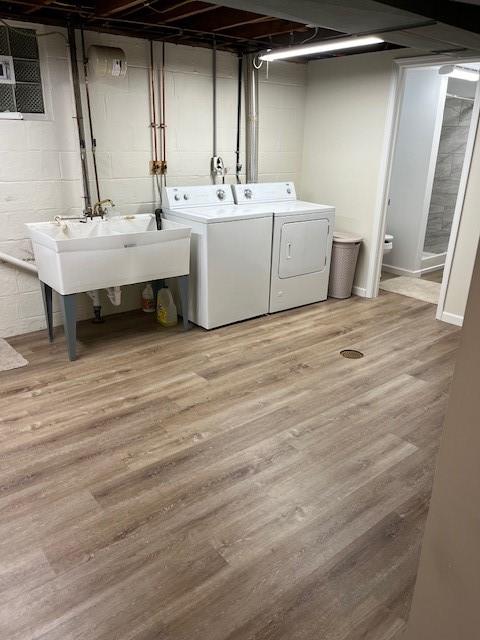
(413, 167)
(347, 104)
(40, 169)
(38, 180)
(345, 119)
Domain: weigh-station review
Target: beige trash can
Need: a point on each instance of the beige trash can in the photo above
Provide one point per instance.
(344, 262)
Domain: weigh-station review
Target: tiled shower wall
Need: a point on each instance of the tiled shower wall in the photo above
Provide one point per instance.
(451, 152)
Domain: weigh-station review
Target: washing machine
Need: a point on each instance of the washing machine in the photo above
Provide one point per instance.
(230, 253)
(301, 242)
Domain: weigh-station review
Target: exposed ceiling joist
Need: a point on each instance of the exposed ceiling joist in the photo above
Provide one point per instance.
(111, 7)
(187, 11)
(226, 18)
(397, 21)
(39, 5)
(252, 25)
(268, 29)
(242, 22)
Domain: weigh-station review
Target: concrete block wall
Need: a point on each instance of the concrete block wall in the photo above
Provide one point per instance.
(39, 161)
(38, 180)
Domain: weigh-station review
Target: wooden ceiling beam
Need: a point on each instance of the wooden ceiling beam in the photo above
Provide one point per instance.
(40, 4)
(224, 19)
(242, 23)
(107, 8)
(153, 5)
(189, 11)
(266, 29)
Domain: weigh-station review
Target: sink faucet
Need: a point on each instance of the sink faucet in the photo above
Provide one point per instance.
(98, 211)
(99, 208)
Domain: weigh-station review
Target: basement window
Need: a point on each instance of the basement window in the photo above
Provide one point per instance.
(21, 89)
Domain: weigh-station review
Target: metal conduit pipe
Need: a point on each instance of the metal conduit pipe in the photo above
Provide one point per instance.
(238, 164)
(251, 117)
(214, 96)
(93, 141)
(79, 116)
(97, 309)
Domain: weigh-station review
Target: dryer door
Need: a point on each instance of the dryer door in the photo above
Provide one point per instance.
(303, 247)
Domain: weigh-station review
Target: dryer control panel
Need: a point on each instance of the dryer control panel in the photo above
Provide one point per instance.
(264, 192)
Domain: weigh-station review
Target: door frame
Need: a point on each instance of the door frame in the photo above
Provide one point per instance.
(397, 90)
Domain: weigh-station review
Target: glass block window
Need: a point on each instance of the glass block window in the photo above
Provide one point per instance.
(26, 95)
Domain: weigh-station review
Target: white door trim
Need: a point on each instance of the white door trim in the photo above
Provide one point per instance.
(392, 121)
(391, 130)
(432, 165)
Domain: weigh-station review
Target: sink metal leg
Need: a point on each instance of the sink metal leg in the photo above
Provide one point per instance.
(70, 324)
(47, 306)
(183, 291)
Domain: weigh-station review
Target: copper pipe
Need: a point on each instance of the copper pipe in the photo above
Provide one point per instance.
(163, 109)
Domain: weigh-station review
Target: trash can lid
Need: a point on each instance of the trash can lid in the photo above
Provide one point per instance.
(346, 238)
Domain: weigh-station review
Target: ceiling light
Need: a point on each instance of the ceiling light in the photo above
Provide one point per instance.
(320, 47)
(462, 73)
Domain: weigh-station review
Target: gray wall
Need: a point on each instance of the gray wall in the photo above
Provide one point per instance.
(451, 153)
(411, 182)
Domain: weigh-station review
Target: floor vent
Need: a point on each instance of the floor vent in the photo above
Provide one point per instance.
(351, 354)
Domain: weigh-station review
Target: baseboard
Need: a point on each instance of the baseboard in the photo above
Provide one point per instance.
(433, 262)
(359, 291)
(398, 271)
(431, 269)
(452, 318)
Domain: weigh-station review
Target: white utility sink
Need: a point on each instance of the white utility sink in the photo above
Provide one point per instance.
(74, 256)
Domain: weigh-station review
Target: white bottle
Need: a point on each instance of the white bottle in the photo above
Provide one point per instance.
(148, 300)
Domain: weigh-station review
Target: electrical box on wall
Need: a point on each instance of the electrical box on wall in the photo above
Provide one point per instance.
(104, 62)
(7, 72)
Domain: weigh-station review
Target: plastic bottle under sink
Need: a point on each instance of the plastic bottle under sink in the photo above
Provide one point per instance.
(148, 299)
(166, 309)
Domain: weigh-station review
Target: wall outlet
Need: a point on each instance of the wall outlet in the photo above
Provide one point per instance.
(157, 167)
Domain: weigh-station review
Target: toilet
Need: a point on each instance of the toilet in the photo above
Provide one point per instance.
(388, 243)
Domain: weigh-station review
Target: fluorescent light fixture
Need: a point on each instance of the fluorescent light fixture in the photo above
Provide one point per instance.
(320, 47)
(461, 73)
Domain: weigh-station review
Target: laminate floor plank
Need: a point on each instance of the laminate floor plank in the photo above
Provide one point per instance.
(246, 483)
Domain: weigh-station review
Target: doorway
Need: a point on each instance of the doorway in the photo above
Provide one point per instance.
(435, 123)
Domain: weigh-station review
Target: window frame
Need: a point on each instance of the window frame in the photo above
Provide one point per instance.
(42, 45)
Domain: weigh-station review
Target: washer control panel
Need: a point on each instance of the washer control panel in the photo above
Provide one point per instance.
(264, 192)
(197, 196)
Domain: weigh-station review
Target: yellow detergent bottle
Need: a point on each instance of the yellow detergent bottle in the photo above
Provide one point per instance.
(166, 309)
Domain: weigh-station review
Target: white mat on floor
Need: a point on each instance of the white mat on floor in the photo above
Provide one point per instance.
(418, 288)
(9, 358)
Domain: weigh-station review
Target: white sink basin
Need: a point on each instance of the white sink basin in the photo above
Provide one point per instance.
(76, 256)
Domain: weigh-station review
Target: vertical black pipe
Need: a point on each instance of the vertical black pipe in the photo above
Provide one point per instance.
(238, 166)
(79, 117)
(214, 98)
(90, 122)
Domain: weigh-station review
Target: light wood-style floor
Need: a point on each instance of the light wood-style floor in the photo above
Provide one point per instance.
(433, 276)
(247, 483)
